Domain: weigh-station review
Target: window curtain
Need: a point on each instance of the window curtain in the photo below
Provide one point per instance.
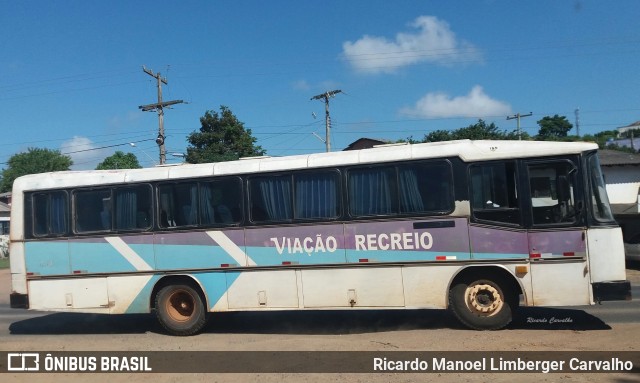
(410, 198)
(370, 192)
(58, 219)
(127, 207)
(276, 197)
(207, 212)
(191, 210)
(315, 196)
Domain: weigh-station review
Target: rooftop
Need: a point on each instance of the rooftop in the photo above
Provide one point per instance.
(618, 158)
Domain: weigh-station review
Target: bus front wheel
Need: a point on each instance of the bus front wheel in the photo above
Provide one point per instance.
(180, 310)
(482, 303)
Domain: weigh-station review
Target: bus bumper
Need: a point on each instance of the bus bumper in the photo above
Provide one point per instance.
(19, 301)
(611, 291)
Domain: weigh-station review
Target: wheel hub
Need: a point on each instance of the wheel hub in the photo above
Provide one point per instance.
(180, 306)
(484, 298)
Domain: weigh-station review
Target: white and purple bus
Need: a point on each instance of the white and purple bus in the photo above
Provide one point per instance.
(478, 227)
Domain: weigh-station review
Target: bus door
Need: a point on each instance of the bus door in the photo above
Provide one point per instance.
(556, 234)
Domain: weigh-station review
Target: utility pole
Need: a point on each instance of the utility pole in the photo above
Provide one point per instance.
(325, 96)
(578, 122)
(159, 107)
(518, 116)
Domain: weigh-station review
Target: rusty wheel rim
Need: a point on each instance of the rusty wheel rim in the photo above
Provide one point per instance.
(484, 298)
(180, 306)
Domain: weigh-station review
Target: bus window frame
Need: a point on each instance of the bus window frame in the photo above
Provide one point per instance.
(592, 219)
(292, 176)
(519, 179)
(202, 181)
(30, 222)
(157, 207)
(396, 203)
(112, 192)
(578, 193)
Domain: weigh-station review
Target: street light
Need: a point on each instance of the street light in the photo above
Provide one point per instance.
(145, 153)
(180, 155)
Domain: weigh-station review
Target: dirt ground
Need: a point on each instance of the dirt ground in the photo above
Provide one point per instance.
(283, 333)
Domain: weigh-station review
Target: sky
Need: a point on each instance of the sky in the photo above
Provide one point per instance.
(71, 72)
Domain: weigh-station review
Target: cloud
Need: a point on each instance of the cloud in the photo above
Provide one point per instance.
(301, 85)
(84, 153)
(475, 104)
(434, 42)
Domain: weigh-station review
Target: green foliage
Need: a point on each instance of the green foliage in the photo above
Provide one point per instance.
(34, 160)
(119, 160)
(222, 137)
(552, 128)
(409, 139)
(601, 138)
(477, 131)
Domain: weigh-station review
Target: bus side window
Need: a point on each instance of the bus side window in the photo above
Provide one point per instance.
(271, 198)
(132, 208)
(426, 187)
(92, 210)
(178, 204)
(494, 194)
(552, 189)
(221, 202)
(50, 214)
(316, 195)
(372, 191)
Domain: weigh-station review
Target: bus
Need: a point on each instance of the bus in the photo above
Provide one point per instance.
(477, 227)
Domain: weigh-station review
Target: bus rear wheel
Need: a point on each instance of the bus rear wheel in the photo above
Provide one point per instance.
(180, 310)
(482, 304)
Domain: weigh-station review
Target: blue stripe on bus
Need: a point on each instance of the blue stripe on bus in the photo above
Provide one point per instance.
(171, 257)
(498, 256)
(146, 252)
(141, 302)
(354, 256)
(47, 258)
(214, 284)
(62, 257)
(268, 256)
(97, 258)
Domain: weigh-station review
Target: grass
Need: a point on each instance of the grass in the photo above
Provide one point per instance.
(4, 263)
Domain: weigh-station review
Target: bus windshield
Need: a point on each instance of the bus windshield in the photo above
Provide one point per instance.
(599, 200)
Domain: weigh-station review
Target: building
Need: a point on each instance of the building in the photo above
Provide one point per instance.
(632, 126)
(628, 141)
(366, 143)
(5, 217)
(622, 176)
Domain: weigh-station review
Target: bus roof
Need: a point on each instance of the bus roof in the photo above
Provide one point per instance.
(467, 150)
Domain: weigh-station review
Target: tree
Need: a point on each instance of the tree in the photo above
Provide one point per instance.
(34, 160)
(478, 131)
(119, 160)
(553, 127)
(222, 137)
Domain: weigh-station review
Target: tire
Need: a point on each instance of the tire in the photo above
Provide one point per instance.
(180, 310)
(482, 304)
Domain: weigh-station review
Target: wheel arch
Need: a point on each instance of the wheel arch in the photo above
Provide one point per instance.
(499, 272)
(178, 279)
